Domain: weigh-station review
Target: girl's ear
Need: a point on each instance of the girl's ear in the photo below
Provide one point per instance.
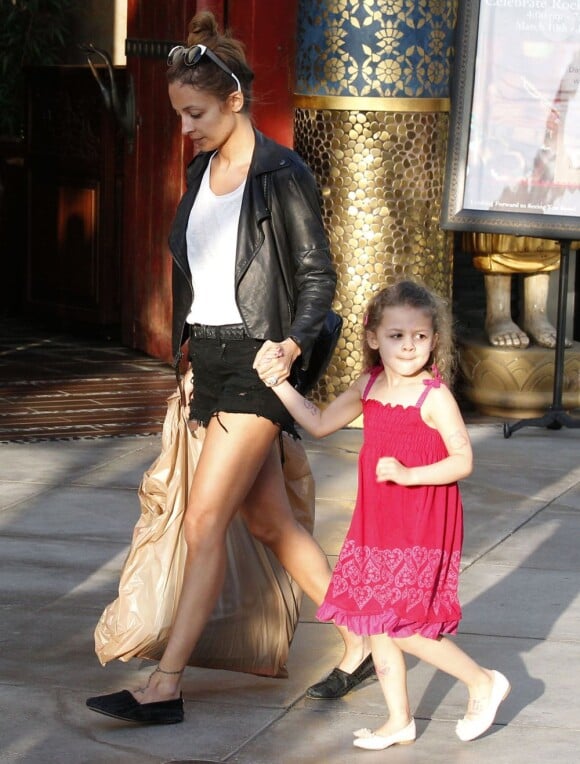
(372, 341)
(434, 341)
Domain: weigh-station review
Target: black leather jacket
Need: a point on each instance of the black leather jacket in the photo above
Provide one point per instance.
(284, 277)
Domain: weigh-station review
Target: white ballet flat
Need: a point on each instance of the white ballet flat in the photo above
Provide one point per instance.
(469, 729)
(366, 739)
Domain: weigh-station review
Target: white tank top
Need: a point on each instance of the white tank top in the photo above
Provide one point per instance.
(212, 234)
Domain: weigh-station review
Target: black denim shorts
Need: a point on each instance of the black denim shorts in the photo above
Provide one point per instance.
(224, 380)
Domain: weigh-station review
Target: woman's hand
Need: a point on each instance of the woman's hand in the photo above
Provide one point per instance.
(274, 361)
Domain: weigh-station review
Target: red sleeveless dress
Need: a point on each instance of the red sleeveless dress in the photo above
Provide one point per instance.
(398, 569)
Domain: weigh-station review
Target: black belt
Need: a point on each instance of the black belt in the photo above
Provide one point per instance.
(219, 333)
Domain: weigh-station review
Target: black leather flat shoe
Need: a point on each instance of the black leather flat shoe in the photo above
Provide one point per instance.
(339, 683)
(122, 705)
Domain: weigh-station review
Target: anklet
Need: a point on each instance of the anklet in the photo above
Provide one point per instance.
(169, 673)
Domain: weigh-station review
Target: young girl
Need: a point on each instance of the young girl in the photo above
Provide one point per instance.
(397, 574)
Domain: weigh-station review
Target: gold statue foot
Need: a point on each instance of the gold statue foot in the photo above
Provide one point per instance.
(505, 333)
(543, 333)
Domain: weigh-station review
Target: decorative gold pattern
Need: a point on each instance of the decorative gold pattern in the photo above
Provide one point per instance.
(380, 48)
(344, 103)
(381, 176)
(516, 383)
(371, 120)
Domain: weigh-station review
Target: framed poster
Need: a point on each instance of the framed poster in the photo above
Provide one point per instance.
(513, 159)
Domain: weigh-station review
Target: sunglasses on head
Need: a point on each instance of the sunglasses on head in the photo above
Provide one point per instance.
(192, 56)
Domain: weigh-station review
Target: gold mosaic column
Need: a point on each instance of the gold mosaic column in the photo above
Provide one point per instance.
(371, 120)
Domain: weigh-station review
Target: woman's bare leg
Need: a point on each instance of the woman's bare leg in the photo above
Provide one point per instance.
(270, 519)
(230, 460)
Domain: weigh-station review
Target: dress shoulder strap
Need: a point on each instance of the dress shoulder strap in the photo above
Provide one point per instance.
(375, 371)
(434, 381)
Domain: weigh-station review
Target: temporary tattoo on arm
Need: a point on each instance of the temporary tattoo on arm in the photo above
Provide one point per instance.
(458, 440)
(309, 406)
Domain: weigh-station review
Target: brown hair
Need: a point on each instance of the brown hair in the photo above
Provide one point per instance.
(203, 30)
(416, 296)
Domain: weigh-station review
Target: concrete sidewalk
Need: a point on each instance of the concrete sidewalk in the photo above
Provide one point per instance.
(67, 510)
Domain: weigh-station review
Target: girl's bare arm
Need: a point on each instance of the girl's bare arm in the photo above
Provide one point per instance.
(320, 422)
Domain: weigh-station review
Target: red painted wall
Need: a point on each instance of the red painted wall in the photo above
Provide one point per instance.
(268, 29)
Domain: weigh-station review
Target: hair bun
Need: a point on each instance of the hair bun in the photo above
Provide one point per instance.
(203, 29)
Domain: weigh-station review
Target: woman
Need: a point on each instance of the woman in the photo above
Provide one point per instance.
(252, 284)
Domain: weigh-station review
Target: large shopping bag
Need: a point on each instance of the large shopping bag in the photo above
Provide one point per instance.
(254, 620)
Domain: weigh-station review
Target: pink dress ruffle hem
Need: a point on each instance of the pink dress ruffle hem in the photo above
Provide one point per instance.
(384, 623)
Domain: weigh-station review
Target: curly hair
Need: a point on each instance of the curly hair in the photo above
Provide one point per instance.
(203, 29)
(414, 295)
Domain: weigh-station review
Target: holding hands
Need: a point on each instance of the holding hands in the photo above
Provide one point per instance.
(274, 361)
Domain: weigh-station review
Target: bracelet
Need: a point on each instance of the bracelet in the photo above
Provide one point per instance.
(169, 673)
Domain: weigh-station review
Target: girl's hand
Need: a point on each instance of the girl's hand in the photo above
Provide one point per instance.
(389, 468)
(274, 361)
